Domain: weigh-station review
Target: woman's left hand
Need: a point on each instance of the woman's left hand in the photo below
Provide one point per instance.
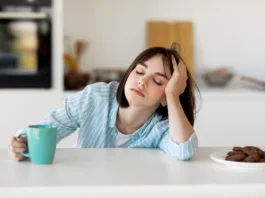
(178, 80)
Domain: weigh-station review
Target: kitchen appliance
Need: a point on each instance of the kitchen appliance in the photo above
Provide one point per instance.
(26, 44)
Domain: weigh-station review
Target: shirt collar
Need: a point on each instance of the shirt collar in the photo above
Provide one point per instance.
(113, 116)
(113, 113)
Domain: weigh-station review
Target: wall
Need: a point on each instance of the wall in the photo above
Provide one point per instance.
(226, 32)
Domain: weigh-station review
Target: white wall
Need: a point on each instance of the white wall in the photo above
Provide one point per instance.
(226, 32)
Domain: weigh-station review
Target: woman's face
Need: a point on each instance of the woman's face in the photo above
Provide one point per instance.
(145, 86)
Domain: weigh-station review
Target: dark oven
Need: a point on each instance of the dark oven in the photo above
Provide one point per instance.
(25, 44)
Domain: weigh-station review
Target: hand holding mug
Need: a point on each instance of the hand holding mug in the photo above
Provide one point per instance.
(41, 144)
(16, 146)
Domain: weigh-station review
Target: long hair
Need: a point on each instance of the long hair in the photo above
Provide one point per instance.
(187, 98)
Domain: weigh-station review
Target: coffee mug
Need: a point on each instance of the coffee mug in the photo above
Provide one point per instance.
(41, 141)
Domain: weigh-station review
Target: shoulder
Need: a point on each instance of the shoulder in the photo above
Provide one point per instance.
(101, 90)
(94, 95)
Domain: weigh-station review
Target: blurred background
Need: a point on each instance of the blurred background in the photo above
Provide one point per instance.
(25, 44)
(55, 48)
(219, 40)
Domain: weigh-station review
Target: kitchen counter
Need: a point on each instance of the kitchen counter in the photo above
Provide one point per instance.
(127, 173)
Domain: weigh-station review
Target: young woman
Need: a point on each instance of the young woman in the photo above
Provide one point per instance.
(152, 107)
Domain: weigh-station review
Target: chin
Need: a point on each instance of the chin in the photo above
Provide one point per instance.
(134, 100)
(137, 102)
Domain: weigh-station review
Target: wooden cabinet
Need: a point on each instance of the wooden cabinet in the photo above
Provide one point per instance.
(163, 34)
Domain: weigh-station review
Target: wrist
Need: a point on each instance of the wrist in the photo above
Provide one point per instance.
(172, 96)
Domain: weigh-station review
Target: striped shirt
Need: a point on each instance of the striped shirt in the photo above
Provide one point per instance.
(94, 109)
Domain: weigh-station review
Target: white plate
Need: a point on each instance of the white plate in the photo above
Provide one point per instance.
(219, 157)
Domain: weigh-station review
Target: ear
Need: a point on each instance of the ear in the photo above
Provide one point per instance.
(164, 102)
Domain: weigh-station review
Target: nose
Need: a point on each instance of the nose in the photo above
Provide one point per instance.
(141, 83)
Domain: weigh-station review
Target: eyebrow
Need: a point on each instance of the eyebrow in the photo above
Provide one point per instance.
(157, 73)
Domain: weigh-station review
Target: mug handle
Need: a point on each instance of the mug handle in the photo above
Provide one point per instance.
(23, 153)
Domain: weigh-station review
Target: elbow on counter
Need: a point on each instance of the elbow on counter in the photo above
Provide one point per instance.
(182, 151)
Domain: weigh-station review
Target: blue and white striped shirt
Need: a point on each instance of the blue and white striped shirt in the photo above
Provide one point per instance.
(94, 110)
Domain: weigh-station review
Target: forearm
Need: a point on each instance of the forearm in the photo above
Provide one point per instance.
(180, 128)
(62, 121)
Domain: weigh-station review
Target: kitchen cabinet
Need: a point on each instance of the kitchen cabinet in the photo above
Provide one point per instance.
(163, 33)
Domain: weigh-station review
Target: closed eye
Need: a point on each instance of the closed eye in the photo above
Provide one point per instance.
(158, 83)
(140, 73)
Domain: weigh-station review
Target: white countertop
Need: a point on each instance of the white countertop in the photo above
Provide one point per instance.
(123, 172)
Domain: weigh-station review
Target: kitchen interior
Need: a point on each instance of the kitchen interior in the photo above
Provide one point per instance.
(104, 28)
(58, 47)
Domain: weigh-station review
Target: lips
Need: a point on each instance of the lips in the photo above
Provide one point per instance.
(138, 92)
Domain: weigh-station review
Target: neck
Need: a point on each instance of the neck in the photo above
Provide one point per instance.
(131, 119)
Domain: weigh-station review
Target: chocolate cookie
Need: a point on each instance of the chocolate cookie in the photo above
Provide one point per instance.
(236, 157)
(251, 150)
(246, 154)
(237, 148)
(252, 158)
(261, 154)
(235, 153)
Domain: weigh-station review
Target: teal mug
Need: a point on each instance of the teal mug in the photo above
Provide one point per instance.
(41, 140)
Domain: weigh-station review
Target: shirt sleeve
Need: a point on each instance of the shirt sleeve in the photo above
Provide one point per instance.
(179, 151)
(69, 116)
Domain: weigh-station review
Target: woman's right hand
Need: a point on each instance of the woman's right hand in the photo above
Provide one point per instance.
(17, 145)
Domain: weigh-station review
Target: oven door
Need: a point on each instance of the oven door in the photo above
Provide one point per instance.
(25, 50)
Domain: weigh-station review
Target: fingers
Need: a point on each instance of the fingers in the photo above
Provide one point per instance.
(16, 146)
(17, 150)
(17, 156)
(180, 68)
(18, 143)
(183, 69)
(175, 65)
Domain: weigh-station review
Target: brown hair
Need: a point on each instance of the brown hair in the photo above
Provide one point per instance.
(187, 99)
